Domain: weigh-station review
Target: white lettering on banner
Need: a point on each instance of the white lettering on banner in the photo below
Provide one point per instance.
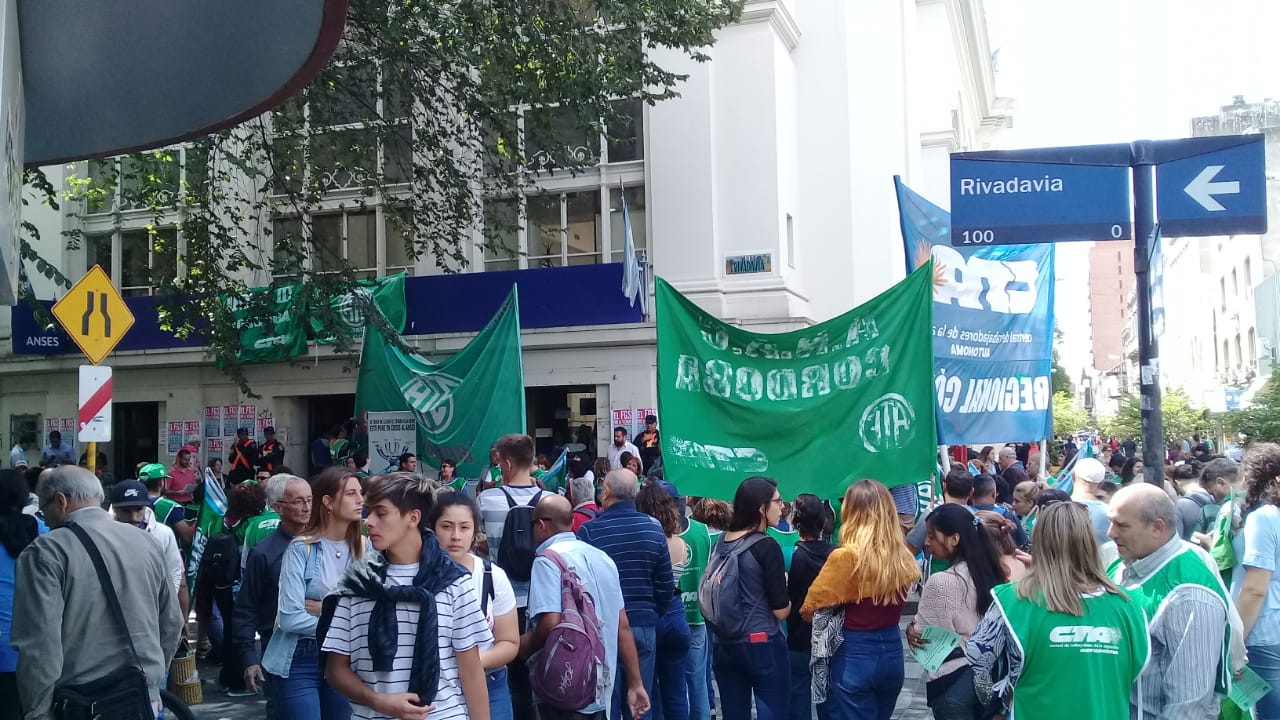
(887, 424)
(815, 345)
(1007, 286)
(431, 396)
(1090, 639)
(714, 457)
(1015, 184)
(720, 379)
(43, 342)
(998, 394)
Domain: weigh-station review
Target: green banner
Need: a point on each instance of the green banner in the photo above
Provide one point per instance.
(387, 295)
(816, 409)
(293, 321)
(463, 404)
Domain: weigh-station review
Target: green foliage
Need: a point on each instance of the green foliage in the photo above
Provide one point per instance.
(417, 113)
(1261, 421)
(1068, 416)
(1059, 380)
(1179, 418)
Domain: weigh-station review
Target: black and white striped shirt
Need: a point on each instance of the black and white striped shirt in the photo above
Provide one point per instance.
(461, 627)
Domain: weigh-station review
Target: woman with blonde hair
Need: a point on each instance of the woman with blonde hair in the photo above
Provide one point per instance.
(311, 566)
(856, 604)
(1064, 613)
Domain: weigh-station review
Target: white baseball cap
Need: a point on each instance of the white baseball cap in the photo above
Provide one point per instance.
(1090, 471)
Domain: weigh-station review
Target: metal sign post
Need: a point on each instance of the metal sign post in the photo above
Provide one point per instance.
(1144, 221)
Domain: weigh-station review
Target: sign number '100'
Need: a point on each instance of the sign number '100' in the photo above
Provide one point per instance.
(988, 237)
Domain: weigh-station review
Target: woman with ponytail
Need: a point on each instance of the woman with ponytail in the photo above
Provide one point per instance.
(956, 599)
(857, 599)
(17, 530)
(1000, 529)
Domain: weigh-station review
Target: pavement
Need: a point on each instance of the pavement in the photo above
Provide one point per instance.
(218, 706)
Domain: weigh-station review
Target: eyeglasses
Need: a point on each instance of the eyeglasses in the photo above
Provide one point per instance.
(777, 501)
(299, 503)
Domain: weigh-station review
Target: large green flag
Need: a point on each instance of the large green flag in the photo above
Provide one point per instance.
(463, 404)
(386, 293)
(816, 409)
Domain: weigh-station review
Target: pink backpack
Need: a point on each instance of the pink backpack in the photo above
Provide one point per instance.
(569, 669)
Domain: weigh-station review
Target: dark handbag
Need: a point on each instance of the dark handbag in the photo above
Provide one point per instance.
(121, 694)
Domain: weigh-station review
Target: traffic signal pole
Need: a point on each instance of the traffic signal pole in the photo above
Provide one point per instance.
(1144, 235)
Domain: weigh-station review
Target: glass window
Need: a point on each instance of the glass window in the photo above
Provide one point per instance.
(546, 235)
(134, 262)
(626, 133)
(555, 135)
(97, 251)
(639, 224)
(397, 155)
(102, 190)
(501, 145)
(343, 159)
(286, 165)
(399, 243)
(501, 243)
(353, 91)
(1252, 348)
(362, 240)
(582, 227)
(326, 234)
(286, 236)
(195, 170)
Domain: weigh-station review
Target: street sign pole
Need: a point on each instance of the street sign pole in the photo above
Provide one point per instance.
(1144, 222)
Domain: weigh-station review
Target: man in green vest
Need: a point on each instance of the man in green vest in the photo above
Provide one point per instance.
(1184, 599)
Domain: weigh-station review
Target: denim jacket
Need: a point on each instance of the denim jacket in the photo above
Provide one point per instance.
(297, 569)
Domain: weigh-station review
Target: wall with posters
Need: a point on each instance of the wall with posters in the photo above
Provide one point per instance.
(191, 391)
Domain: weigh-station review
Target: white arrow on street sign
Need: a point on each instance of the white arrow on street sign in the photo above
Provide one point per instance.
(1202, 189)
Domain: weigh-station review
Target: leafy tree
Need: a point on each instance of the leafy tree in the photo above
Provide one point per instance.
(1068, 416)
(419, 111)
(1059, 380)
(1179, 419)
(1260, 422)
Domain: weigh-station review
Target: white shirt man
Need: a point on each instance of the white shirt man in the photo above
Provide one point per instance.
(619, 446)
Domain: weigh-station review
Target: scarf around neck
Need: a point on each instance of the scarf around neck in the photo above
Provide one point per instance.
(366, 579)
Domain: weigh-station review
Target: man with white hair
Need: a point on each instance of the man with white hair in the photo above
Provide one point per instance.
(1185, 600)
(1086, 485)
(63, 627)
(259, 598)
(1012, 471)
(582, 493)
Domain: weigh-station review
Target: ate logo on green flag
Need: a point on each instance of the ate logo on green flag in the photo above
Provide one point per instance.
(816, 408)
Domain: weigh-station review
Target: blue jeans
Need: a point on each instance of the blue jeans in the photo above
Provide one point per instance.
(802, 689)
(867, 675)
(960, 701)
(698, 672)
(1265, 660)
(647, 648)
(305, 695)
(671, 666)
(499, 695)
(762, 669)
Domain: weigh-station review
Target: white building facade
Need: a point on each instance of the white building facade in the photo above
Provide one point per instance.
(781, 148)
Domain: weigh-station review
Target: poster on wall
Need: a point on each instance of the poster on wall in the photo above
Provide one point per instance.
(624, 418)
(641, 414)
(64, 426)
(230, 420)
(190, 429)
(248, 414)
(263, 424)
(212, 421)
(390, 435)
(175, 437)
(214, 447)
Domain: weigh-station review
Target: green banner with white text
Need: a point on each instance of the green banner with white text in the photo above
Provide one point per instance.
(816, 409)
(461, 405)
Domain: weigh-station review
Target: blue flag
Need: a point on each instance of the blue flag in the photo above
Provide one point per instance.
(992, 329)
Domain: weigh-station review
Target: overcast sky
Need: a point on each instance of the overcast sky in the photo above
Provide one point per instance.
(1103, 71)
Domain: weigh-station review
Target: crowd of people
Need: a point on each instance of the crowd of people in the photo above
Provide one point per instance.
(401, 596)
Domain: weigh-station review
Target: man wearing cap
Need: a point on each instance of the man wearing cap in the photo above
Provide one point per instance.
(271, 454)
(168, 512)
(649, 443)
(1086, 481)
(243, 458)
(131, 504)
(57, 453)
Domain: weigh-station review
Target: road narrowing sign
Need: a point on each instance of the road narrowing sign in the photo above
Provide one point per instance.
(94, 314)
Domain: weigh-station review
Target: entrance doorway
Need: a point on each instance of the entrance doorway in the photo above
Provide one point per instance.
(562, 416)
(135, 428)
(326, 412)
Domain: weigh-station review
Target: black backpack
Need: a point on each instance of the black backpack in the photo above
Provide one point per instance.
(518, 546)
(221, 560)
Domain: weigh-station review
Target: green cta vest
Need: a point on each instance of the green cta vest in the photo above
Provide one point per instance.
(698, 538)
(1087, 663)
(1183, 569)
(162, 506)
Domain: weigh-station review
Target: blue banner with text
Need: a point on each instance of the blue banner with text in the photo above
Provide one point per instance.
(992, 329)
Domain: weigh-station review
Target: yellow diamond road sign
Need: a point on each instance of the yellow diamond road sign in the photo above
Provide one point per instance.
(94, 314)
